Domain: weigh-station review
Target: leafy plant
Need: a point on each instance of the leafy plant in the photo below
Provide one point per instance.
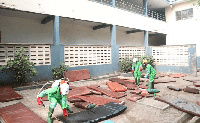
(58, 72)
(20, 67)
(126, 65)
(150, 60)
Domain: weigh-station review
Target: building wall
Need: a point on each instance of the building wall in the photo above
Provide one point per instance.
(71, 34)
(21, 30)
(88, 10)
(184, 31)
(132, 39)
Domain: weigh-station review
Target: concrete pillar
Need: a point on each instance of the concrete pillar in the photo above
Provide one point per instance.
(114, 48)
(112, 2)
(56, 35)
(145, 11)
(146, 42)
(57, 50)
(146, 36)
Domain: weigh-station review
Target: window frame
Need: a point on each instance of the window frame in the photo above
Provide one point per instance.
(181, 15)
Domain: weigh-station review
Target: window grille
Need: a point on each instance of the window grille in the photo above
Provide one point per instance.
(87, 55)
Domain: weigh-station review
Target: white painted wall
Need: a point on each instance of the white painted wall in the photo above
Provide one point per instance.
(21, 30)
(183, 31)
(73, 34)
(132, 39)
(83, 35)
(88, 10)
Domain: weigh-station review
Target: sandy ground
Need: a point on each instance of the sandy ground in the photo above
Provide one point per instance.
(136, 112)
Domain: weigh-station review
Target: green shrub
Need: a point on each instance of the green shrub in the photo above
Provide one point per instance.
(20, 67)
(58, 72)
(150, 60)
(126, 65)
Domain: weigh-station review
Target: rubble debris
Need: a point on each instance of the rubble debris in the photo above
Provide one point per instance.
(78, 91)
(191, 90)
(137, 91)
(177, 75)
(143, 86)
(74, 99)
(120, 81)
(98, 100)
(131, 86)
(196, 83)
(83, 105)
(134, 98)
(116, 87)
(163, 81)
(109, 93)
(173, 88)
(144, 93)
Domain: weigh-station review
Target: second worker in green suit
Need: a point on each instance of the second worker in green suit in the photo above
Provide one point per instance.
(136, 70)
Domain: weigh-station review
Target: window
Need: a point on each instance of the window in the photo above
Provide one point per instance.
(184, 14)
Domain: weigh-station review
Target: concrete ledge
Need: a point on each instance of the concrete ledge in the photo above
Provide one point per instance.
(195, 119)
(31, 87)
(183, 118)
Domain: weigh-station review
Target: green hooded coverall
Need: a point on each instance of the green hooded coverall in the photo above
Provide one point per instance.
(152, 73)
(54, 97)
(136, 67)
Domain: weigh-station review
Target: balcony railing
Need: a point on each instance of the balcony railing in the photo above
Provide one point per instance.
(128, 6)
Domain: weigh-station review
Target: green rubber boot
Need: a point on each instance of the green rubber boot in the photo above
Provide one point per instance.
(69, 110)
(91, 106)
(152, 85)
(149, 85)
(135, 81)
(138, 82)
(49, 120)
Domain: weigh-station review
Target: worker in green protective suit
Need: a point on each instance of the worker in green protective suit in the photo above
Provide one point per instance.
(151, 72)
(136, 70)
(56, 94)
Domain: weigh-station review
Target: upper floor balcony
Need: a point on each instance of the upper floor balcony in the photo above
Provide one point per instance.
(155, 9)
(125, 13)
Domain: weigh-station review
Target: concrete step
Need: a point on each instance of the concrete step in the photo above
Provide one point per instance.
(195, 119)
(183, 118)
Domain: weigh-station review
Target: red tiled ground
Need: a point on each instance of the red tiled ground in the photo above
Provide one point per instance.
(114, 86)
(78, 91)
(76, 75)
(143, 86)
(176, 75)
(137, 91)
(97, 100)
(131, 86)
(144, 93)
(191, 90)
(109, 93)
(19, 113)
(7, 93)
(134, 98)
(82, 105)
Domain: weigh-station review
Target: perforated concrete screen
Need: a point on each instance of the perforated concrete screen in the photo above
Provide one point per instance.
(87, 55)
(38, 54)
